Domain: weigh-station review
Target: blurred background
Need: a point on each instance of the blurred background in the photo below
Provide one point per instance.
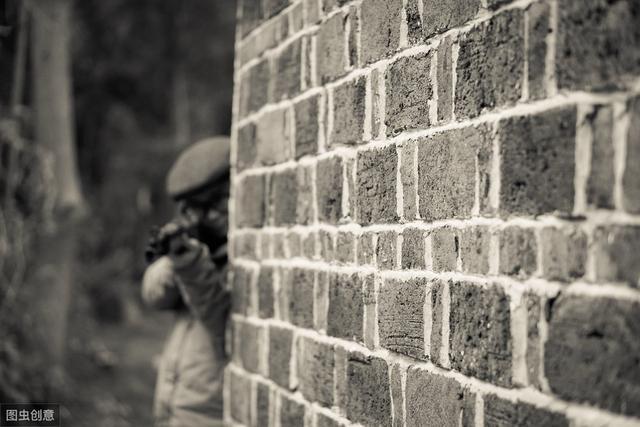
(96, 100)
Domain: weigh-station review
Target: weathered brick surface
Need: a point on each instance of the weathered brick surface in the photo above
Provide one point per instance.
(631, 177)
(273, 137)
(376, 185)
(283, 197)
(475, 244)
(250, 206)
(306, 122)
(601, 178)
(598, 43)
(436, 400)
(330, 50)
(435, 213)
(617, 253)
(348, 112)
(346, 306)
(368, 397)
(479, 336)
(380, 31)
(537, 167)
(315, 363)
(400, 317)
(448, 164)
(409, 88)
(255, 87)
(490, 65)
(287, 71)
(502, 413)
(591, 352)
(300, 290)
(280, 347)
(329, 173)
(518, 251)
(439, 16)
(291, 412)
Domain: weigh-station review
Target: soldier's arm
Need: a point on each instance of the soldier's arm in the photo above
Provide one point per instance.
(201, 283)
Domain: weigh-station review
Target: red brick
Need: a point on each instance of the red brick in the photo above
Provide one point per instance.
(346, 306)
(348, 112)
(380, 28)
(315, 363)
(502, 413)
(376, 185)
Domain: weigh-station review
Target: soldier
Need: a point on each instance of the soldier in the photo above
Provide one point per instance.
(187, 274)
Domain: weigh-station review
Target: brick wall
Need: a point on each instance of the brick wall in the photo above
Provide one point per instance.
(436, 213)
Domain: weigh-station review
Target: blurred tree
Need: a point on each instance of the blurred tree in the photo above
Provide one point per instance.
(53, 107)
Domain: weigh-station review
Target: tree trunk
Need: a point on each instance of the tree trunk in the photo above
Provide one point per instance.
(51, 23)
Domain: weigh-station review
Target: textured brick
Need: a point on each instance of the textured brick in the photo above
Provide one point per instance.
(241, 288)
(287, 71)
(538, 15)
(240, 386)
(283, 197)
(330, 48)
(305, 209)
(245, 246)
(414, 22)
(329, 175)
(408, 176)
(306, 119)
(292, 412)
(409, 88)
(479, 334)
(445, 80)
(444, 249)
(348, 112)
(441, 15)
(380, 28)
(246, 151)
(309, 245)
(376, 185)
(448, 164)
(475, 243)
(598, 43)
(354, 43)
(518, 251)
(346, 247)
(617, 253)
(413, 248)
(397, 392)
(435, 400)
(280, 346)
(631, 176)
(601, 176)
(386, 250)
(301, 297)
(533, 357)
(490, 65)
(346, 306)
(248, 345)
(400, 316)
(537, 162)
(250, 15)
(324, 420)
(315, 370)
(273, 137)
(265, 292)
(368, 398)
(294, 241)
(254, 88)
(250, 205)
(564, 253)
(263, 397)
(327, 241)
(504, 413)
(366, 249)
(591, 354)
(273, 7)
(311, 11)
(439, 289)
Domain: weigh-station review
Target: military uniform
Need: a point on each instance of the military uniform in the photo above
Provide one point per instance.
(189, 385)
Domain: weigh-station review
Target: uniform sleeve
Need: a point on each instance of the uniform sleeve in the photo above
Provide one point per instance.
(160, 285)
(202, 285)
